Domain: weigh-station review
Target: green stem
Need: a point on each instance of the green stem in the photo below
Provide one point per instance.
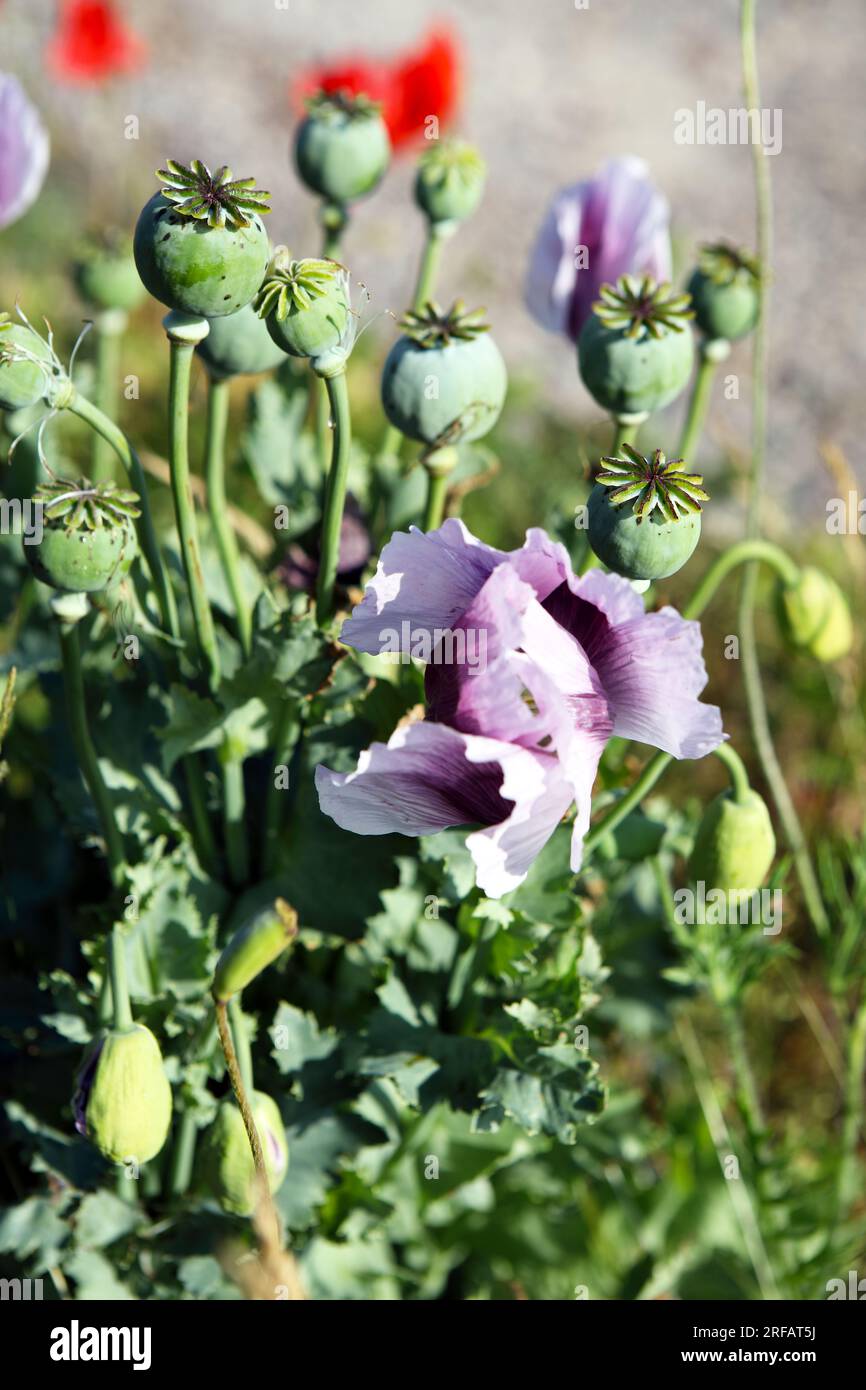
(183, 1154)
(700, 399)
(84, 749)
(241, 1037)
(335, 496)
(744, 552)
(108, 328)
(217, 503)
(147, 538)
(181, 354)
(428, 270)
(285, 734)
(624, 432)
(122, 1011)
(736, 770)
(752, 683)
(425, 289)
(234, 818)
(334, 218)
(632, 799)
(748, 1100)
(437, 492)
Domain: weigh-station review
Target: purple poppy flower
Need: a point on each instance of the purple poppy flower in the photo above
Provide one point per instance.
(23, 150)
(611, 225)
(84, 1085)
(530, 670)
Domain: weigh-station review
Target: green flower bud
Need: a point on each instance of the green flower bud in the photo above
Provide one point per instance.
(444, 381)
(655, 535)
(305, 305)
(123, 1100)
(106, 276)
(725, 292)
(200, 245)
(450, 181)
(25, 365)
(814, 615)
(227, 1168)
(635, 351)
(734, 845)
(239, 345)
(342, 148)
(254, 947)
(88, 538)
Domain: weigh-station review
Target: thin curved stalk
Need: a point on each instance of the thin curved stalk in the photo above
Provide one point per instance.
(698, 404)
(752, 682)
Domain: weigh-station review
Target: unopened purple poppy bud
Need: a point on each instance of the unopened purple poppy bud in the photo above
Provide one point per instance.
(595, 231)
(122, 1100)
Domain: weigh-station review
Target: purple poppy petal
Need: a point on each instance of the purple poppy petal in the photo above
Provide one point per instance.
(622, 221)
(649, 664)
(429, 777)
(425, 582)
(24, 150)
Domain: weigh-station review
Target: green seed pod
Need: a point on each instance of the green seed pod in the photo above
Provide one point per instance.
(123, 1099)
(450, 181)
(814, 615)
(654, 536)
(200, 245)
(725, 292)
(88, 538)
(23, 377)
(254, 947)
(734, 845)
(342, 148)
(635, 351)
(239, 345)
(106, 276)
(305, 305)
(227, 1168)
(444, 381)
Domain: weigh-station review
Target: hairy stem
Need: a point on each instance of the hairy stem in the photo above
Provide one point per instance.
(108, 329)
(743, 553)
(736, 770)
(217, 504)
(121, 1009)
(183, 1154)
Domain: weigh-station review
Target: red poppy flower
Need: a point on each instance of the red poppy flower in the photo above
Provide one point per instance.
(413, 87)
(92, 42)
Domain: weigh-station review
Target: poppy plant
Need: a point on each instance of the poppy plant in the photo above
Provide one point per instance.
(92, 43)
(513, 736)
(421, 83)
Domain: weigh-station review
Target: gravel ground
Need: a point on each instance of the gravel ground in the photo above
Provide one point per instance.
(551, 92)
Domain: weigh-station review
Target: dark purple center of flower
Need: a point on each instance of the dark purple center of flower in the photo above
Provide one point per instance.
(582, 620)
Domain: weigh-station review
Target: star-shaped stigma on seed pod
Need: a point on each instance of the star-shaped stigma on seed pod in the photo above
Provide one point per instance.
(330, 105)
(294, 284)
(650, 483)
(79, 503)
(635, 303)
(218, 199)
(723, 263)
(434, 327)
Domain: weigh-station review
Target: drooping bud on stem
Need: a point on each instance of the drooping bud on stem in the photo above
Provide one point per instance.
(254, 947)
